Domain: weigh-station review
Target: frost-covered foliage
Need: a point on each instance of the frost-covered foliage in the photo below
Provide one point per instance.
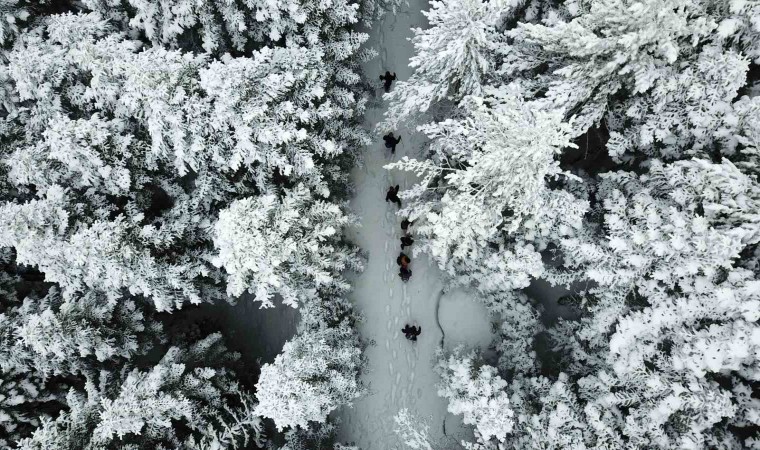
(135, 136)
(317, 437)
(290, 247)
(518, 322)
(487, 185)
(223, 25)
(549, 415)
(315, 373)
(663, 73)
(675, 317)
(23, 398)
(661, 230)
(50, 345)
(414, 435)
(52, 336)
(453, 56)
(13, 15)
(151, 145)
(187, 400)
(477, 393)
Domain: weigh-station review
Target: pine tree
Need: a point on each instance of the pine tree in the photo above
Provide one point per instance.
(661, 73)
(453, 57)
(144, 408)
(477, 392)
(144, 192)
(314, 375)
(486, 185)
(290, 247)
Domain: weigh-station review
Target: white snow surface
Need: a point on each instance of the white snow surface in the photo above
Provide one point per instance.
(400, 373)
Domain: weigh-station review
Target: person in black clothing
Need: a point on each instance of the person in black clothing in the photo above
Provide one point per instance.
(390, 142)
(406, 241)
(403, 260)
(388, 78)
(392, 195)
(405, 273)
(405, 224)
(411, 332)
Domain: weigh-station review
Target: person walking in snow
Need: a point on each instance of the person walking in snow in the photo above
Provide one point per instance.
(406, 241)
(403, 260)
(391, 141)
(392, 195)
(411, 332)
(388, 79)
(405, 273)
(405, 224)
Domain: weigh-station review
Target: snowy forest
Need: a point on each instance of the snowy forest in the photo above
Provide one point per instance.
(196, 252)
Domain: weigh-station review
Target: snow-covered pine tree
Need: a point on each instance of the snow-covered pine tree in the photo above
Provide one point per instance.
(475, 391)
(672, 317)
(415, 435)
(144, 192)
(48, 344)
(150, 144)
(316, 373)
(187, 400)
(662, 73)
(54, 337)
(243, 28)
(486, 187)
(219, 26)
(452, 59)
(291, 247)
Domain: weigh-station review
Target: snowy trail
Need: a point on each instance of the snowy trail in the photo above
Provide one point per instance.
(400, 373)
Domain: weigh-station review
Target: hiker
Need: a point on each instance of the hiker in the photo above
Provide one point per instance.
(403, 260)
(388, 78)
(405, 273)
(411, 332)
(390, 142)
(406, 241)
(405, 225)
(392, 195)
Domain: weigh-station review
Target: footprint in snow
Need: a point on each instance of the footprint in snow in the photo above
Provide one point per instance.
(390, 292)
(387, 344)
(390, 368)
(395, 353)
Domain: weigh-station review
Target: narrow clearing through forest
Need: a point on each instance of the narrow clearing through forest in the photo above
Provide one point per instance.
(400, 373)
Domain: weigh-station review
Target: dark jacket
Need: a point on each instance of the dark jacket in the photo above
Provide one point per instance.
(392, 194)
(403, 259)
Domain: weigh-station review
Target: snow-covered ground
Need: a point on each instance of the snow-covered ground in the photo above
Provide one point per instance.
(400, 373)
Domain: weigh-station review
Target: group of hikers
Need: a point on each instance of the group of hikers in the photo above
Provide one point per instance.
(410, 331)
(403, 259)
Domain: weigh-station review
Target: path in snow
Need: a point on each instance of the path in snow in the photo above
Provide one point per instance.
(400, 373)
